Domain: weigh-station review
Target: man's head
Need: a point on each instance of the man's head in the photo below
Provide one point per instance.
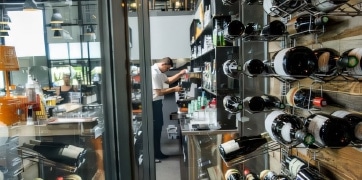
(165, 64)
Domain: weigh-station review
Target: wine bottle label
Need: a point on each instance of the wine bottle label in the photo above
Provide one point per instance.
(340, 113)
(75, 148)
(358, 131)
(285, 132)
(294, 166)
(291, 29)
(230, 146)
(69, 153)
(315, 125)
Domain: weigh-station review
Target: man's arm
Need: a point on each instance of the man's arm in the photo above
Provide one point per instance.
(162, 92)
(176, 77)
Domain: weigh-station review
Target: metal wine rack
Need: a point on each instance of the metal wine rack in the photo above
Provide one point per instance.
(269, 147)
(33, 156)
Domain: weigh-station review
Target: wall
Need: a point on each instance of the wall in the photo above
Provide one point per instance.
(169, 35)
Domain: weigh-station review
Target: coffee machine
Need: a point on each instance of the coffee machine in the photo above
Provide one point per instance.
(183, 98)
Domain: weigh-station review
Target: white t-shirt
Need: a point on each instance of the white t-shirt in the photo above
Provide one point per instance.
(158, 79)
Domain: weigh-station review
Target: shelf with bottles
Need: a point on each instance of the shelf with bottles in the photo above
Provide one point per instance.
(196, 38)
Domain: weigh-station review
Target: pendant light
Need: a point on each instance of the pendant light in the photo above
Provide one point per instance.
(56, 17)
(30, 5)
(89, 30)
(4, 28)
(57, 34)
(56, 26)
(4, 34)
(4, 17)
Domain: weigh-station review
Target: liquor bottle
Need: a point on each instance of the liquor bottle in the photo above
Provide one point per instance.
(217, 34)
(296, 62)
(327, 61)
(242, 146)
(306, 23)
(214, 76)
(253, 67)
(271, 175)
(261, 103)
(233, 174)
(355, 122)
(328, 130)
(287, 129)
(30, 90)
(57, 154)
(305, 98)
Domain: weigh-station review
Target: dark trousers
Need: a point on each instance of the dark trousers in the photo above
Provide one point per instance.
(157, 126)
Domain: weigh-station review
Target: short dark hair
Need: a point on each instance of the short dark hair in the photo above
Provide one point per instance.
(167, 61)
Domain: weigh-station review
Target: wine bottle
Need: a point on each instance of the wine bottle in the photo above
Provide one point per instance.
(356, 70)
(57, 154)
(327, 61)
(328, 130)
(261, 103)
(77, 149)
(294, 165)
(305, 98)
(213, 77)
(233, 174)
(271, 175)
(252, 29)
(305, 23)
(251, 176)
(253, 67)
(355, 122)
(287, 129)
(297, 62)
(233, 30)
(241, 146)
(349, 59)
(310, 173)
(274, 28)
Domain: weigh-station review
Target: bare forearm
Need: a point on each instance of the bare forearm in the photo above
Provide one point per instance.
(174, 78)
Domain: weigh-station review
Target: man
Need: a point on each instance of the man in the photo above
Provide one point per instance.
(158, 79)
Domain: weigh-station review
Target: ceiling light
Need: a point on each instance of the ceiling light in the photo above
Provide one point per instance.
(30, 5)
(56, 17)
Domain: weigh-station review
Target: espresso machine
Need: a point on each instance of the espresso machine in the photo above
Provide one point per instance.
(183, 99)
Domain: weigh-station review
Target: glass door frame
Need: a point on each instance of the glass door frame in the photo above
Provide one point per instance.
(119, 150)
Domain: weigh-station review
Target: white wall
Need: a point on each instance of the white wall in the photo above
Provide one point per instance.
(169, 36)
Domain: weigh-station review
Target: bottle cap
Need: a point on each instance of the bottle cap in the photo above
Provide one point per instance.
(319, 102)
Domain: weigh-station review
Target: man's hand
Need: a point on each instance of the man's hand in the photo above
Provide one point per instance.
(177, 88)
(182, 72)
